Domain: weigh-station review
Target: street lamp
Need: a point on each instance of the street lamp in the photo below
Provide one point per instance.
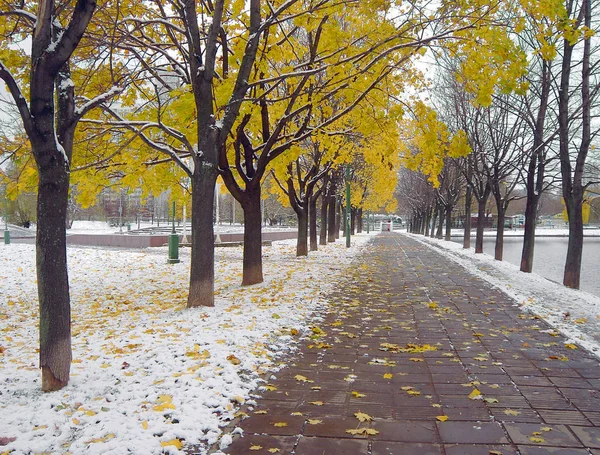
(173, 243)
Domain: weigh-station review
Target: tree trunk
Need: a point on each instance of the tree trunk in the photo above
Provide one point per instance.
(302, 241)
(331, 220)
(312, 217)
(323, 230)
(338, 219)
(359, 221)
(480, 225)
(252, 261)
(467, 223)
(202, 263)
(575, 248)
(448, 223)
(433, 222)
(52, 275)
(352, 221)
(440, 230)
(499, 250)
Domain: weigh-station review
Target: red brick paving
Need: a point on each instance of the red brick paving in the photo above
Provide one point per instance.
(538, 397)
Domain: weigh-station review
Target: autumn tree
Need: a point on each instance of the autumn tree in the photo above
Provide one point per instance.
(576, 133)
(49, 119)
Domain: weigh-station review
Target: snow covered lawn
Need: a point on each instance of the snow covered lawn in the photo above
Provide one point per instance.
(576, 314)
(147, 374)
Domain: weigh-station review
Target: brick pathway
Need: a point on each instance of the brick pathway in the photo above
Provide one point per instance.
(504, 381)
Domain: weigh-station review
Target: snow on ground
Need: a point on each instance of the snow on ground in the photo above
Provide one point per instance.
(576, 314)
(148, 374)
(540, 231)
(91, 227)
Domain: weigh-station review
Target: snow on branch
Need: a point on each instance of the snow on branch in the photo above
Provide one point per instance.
(97, 101)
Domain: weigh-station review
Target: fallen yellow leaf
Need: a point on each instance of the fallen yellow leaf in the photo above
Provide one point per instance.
(362, 431)
(442, 418)
(280, 424)
(475, 395)
(362, 417)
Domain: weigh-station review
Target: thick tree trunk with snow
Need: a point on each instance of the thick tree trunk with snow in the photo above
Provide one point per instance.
(302, 241)
(252, 262)
(440, 227)
(312, 216)
(324, 219)
(433, 222)
(575, 247)
(202, 267)
(480, 225)
(52, 276)
(499, 249)
(448, 211)
(529, 233)
(467, 223)
(331, 219)
(338, 219)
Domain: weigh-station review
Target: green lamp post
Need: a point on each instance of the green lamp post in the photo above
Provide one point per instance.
(173, 243)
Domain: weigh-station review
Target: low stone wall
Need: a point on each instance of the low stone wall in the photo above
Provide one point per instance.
(149, 241)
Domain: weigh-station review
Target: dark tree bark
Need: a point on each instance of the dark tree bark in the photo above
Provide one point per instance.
(573, 188)
(331, 219)
(535, 173)
(312, 217)
(202, 271)
(499, 248)
(52, 150)
(302, 241)
(252, 256)
(338, 219)
(481, 218)
(467, 223)
(440, 227)
(448, 212)
(324, 207)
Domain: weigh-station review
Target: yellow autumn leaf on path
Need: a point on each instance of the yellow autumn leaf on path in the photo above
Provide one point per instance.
(442, 418)
(233, 359)
(101, 440)
(362, 432)
(317, 403)
(256, 447)
(280, 424)
(511, 412)
(388, 376)
(358, 394)
(570, 346)
(362, 417)
(475, 395)
(314, 421)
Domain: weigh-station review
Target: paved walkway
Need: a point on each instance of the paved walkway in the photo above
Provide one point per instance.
(442, 363)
